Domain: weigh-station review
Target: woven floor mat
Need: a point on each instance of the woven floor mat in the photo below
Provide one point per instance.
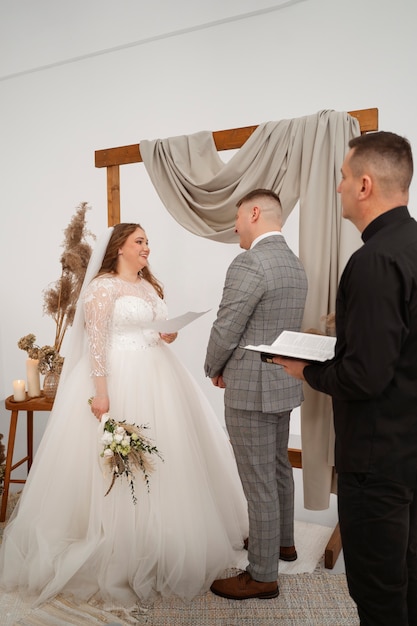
(318, 599)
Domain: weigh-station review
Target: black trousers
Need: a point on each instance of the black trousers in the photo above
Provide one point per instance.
(378, 525)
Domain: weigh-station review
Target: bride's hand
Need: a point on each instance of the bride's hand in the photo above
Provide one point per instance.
(168, 337)
(99, 406)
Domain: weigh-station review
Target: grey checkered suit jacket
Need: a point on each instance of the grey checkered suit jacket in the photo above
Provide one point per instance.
(264, 293)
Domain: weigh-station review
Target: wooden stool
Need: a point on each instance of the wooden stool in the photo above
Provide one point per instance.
(41, 403)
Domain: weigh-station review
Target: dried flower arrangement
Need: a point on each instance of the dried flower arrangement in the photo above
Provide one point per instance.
(60, 298)
(48, 356)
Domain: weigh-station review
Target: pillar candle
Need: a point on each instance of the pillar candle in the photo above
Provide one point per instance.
(34, 380)
(19, 390)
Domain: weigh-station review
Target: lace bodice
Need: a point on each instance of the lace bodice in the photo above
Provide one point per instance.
(116, 316)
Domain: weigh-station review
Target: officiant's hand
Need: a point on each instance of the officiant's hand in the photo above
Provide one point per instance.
(168, 337)
(292, 367)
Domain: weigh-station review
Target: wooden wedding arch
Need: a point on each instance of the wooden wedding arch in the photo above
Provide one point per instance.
(231, 139)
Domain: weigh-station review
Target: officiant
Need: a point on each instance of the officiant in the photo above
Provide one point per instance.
(372, 381)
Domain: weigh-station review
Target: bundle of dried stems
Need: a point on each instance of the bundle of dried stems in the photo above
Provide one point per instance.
(61, 297)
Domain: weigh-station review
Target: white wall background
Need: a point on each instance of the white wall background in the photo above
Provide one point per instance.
(84, 75)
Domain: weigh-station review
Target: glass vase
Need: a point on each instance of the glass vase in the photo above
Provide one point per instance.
(50, 384)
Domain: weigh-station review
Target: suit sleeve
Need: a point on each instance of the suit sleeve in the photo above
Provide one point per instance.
(243, 289)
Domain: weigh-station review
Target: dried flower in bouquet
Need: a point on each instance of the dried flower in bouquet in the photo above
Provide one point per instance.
(126, 450)
(330, 326)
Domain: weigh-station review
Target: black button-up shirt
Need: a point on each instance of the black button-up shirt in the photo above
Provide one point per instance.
(373, 376)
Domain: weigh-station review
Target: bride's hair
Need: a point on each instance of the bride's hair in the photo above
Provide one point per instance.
(109, 264)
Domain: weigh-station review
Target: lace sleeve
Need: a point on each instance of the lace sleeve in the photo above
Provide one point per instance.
(98, 309)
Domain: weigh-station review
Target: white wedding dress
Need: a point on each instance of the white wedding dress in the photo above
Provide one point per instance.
(66, 536)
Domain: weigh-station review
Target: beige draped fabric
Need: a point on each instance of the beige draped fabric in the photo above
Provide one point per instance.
(300, 159)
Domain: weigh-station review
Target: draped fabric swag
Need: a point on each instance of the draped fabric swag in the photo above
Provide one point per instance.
(300, 159)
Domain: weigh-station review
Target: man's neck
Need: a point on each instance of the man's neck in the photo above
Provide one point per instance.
(269, 233)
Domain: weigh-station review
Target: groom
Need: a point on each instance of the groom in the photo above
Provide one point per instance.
(264, 294)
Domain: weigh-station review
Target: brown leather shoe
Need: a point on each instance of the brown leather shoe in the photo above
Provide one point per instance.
(285, 553)
(244, 587)
(288, 553)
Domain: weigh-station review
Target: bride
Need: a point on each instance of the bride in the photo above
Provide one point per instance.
(66, 535)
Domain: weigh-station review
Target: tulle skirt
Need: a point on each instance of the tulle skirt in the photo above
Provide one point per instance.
(185, 530)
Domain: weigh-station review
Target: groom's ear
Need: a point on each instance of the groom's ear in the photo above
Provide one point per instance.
(255, 213)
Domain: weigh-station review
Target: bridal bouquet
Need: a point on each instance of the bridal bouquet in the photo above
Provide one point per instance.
(124, 450)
